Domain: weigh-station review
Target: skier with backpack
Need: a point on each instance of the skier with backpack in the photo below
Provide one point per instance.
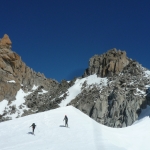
(33, 127)
(66, 120)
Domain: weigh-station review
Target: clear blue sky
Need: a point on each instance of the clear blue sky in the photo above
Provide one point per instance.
(58, 37)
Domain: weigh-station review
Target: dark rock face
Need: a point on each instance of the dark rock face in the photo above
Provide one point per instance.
(119, 103)
(41, 102)
(147, 98)
(8, 90)
(108, 64)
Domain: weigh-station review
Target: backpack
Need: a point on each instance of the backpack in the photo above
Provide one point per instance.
(33, 125)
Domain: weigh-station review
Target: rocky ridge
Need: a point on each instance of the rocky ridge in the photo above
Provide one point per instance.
(16, 75)
(120, 102)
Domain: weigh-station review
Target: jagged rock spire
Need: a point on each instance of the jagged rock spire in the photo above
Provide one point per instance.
(5, 42)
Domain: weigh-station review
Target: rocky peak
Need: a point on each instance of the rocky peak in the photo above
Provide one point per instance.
(12, 68)
(107, 64)
(5, 42)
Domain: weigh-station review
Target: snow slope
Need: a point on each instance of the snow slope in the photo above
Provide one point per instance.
(83, 133)
(20, 99)
(76, 88)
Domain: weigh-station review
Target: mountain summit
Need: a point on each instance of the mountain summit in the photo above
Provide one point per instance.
(107, 64)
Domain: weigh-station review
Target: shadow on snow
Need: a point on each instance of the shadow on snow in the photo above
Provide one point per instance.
(30, 133)
(62, 126)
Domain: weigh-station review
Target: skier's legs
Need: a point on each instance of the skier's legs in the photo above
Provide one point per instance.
(65, 123)
(33, 129)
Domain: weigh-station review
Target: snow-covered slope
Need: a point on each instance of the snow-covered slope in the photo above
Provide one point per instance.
(83, 133)
(18, 104)
(77, 87)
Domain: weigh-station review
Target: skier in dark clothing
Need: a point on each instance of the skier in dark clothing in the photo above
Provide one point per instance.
(66, 121)
(33, 127)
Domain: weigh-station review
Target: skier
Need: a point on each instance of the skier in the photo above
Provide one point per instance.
(66, 120)
(33, 127)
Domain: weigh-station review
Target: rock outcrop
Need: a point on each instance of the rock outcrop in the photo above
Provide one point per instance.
(108, 64)
(5, 42)
(41, 102)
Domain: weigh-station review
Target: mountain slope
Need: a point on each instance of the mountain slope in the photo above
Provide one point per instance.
(16, 76)
(83, 133)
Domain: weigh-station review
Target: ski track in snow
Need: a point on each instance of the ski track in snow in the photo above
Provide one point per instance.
(83, 133)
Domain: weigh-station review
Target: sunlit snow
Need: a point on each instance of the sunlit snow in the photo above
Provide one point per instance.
(43, 91)
(11, 81)
(3, 104)
(20, 99)
(83, 133)
(147, 73)
(34, 87)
